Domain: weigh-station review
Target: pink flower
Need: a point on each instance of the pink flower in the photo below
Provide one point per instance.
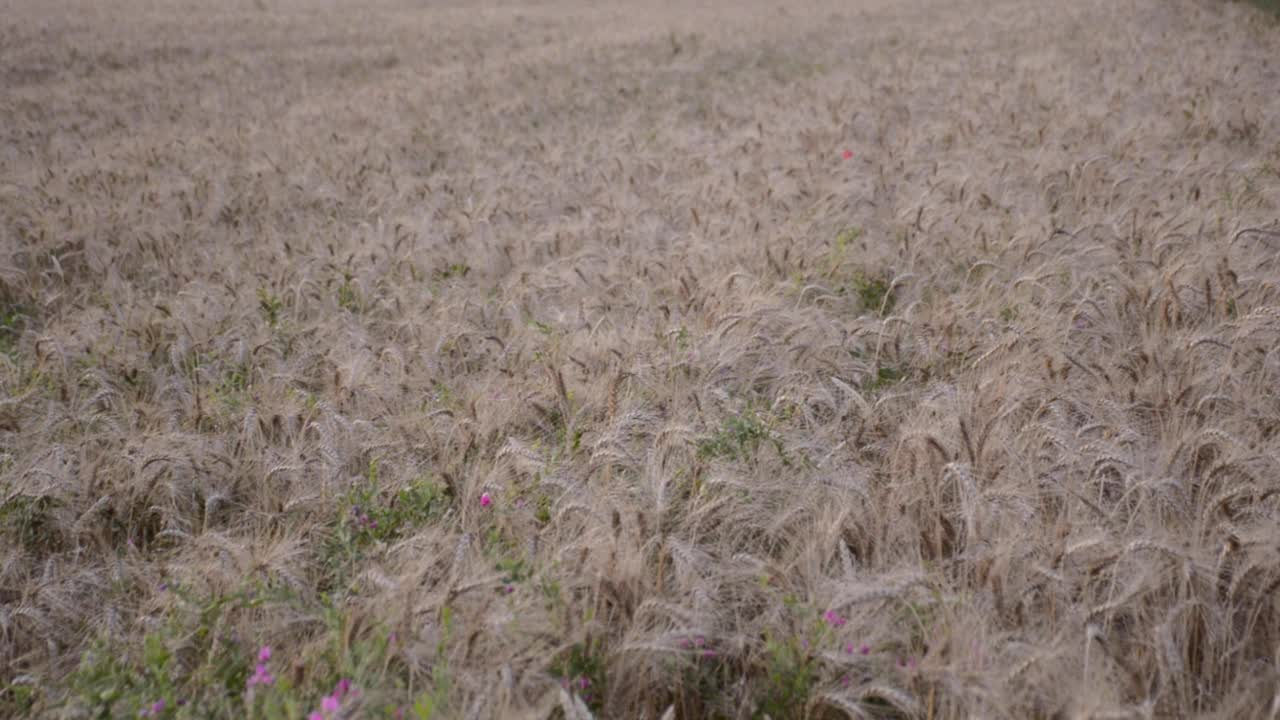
(583, 682)
(343, 687)
(865, 649)
(847, 154)
(264, 654)
(485, 500)
(330, 704)
(833, 618)
(261, 676)
(315, 716)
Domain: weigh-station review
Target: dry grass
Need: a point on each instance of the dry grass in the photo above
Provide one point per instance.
(287, 286)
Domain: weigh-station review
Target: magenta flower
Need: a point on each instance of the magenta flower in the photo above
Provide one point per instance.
(343, 687)
(865, 649)
(156, 708)
(261, 676)
(583, 682)
(847, 154)
(485, 500)
(330, 704)
(264, 654)
(833, 618)
(317, 715)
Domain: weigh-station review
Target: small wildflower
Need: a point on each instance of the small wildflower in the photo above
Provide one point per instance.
(264, 654)
(700, 641)
(583, 682)
(317, 715)
(261, 676)
(684, 643)
(848, 649)
(164, 586)
(343, 687)
(708, 654)
(833, 618)
(845, 681)
(865, 649)
(485, 500)
(330, 704)
(847, 154)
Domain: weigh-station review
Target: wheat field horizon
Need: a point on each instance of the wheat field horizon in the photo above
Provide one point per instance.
(546, 358)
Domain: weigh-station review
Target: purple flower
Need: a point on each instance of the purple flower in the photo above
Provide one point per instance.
(485, 500)
(315, 716)
(330, 704)
(708, 654)
(833, 618)
(865, 649)
(583, 682)
(343, 687)
(264, 654)
(261, 676)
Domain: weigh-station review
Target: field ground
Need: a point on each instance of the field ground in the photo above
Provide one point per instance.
(893, 358)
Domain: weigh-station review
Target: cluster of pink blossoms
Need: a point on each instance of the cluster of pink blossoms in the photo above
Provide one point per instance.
(332, 702)
(261, 675)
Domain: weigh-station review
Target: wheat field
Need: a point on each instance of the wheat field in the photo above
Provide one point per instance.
(553, 358)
